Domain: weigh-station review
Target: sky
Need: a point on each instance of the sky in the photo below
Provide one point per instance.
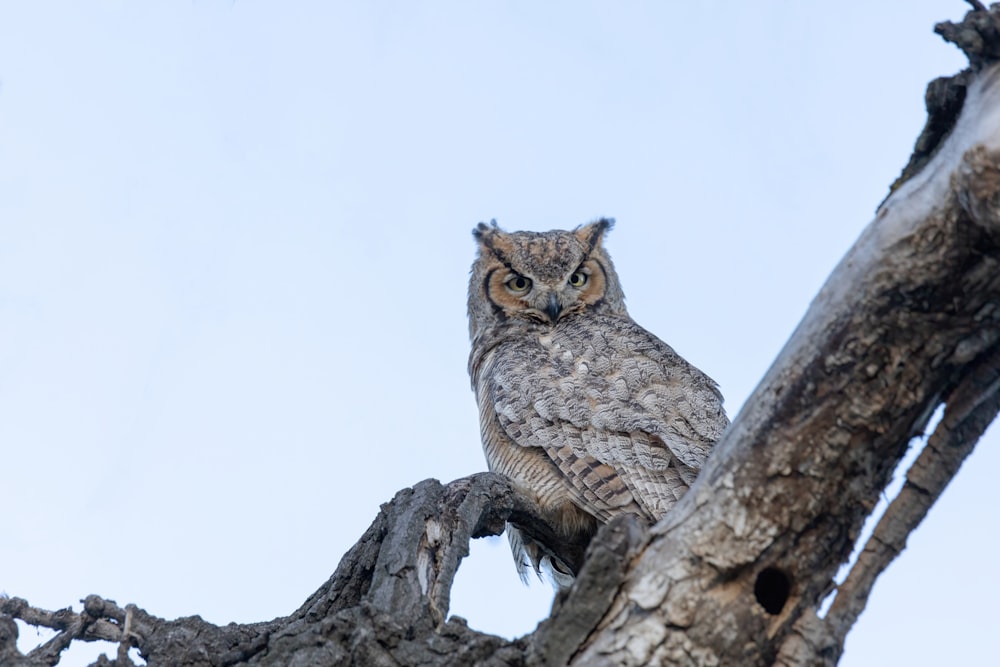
(234, 253)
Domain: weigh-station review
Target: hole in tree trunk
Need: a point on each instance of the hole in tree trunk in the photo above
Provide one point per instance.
(772, 589)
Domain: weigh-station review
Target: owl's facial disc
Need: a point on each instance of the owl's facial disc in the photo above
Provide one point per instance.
(545, 300)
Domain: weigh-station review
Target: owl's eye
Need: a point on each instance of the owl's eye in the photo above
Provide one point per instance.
(578, 279)
(519, 284)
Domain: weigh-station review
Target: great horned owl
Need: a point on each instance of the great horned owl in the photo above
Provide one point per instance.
(585, 411)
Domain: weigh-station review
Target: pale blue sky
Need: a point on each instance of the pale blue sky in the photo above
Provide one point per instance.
(235, 240)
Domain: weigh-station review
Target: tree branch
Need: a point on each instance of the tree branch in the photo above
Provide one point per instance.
(386, 603)
(971, 408)
(907, 319)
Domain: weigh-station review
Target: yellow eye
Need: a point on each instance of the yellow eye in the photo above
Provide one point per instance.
(578, 279)
(519, 284)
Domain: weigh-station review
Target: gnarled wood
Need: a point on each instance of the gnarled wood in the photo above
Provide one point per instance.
(385, 604)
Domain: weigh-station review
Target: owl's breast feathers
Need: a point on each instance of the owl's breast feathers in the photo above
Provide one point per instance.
(625, 419)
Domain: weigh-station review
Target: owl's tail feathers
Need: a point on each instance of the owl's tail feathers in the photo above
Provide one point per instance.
(530, 555)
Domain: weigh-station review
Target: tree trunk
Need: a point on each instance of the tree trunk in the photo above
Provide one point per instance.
(738, 572)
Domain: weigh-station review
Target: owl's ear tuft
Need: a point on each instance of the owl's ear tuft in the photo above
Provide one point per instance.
(592, 233)
(483, 230)
(492, 239)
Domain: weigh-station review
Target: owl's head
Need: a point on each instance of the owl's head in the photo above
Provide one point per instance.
(541, 277)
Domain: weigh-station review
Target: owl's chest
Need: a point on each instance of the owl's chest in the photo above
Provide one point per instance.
(570, 353)
(544, 379)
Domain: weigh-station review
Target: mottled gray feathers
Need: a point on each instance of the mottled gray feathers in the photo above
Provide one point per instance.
(587, 412)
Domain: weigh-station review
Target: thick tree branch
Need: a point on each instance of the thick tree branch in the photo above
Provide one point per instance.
(386, 603)
(905, 321)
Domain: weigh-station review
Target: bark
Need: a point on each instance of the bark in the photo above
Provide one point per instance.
(738, 571)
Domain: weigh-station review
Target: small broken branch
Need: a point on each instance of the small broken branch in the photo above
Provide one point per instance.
(970, 410)
(100, 620)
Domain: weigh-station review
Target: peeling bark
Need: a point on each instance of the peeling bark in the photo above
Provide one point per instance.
(736, 573)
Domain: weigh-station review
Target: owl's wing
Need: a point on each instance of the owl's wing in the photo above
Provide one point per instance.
(614, 393)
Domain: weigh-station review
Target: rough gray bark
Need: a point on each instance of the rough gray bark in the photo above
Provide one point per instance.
(910, 320)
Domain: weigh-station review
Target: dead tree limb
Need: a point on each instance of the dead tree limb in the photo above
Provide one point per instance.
(386, 603)
(910, 319)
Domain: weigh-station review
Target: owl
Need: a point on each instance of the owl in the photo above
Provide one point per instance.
(587, 413)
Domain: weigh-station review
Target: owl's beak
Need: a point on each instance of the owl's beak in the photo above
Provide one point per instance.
(553, 308)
